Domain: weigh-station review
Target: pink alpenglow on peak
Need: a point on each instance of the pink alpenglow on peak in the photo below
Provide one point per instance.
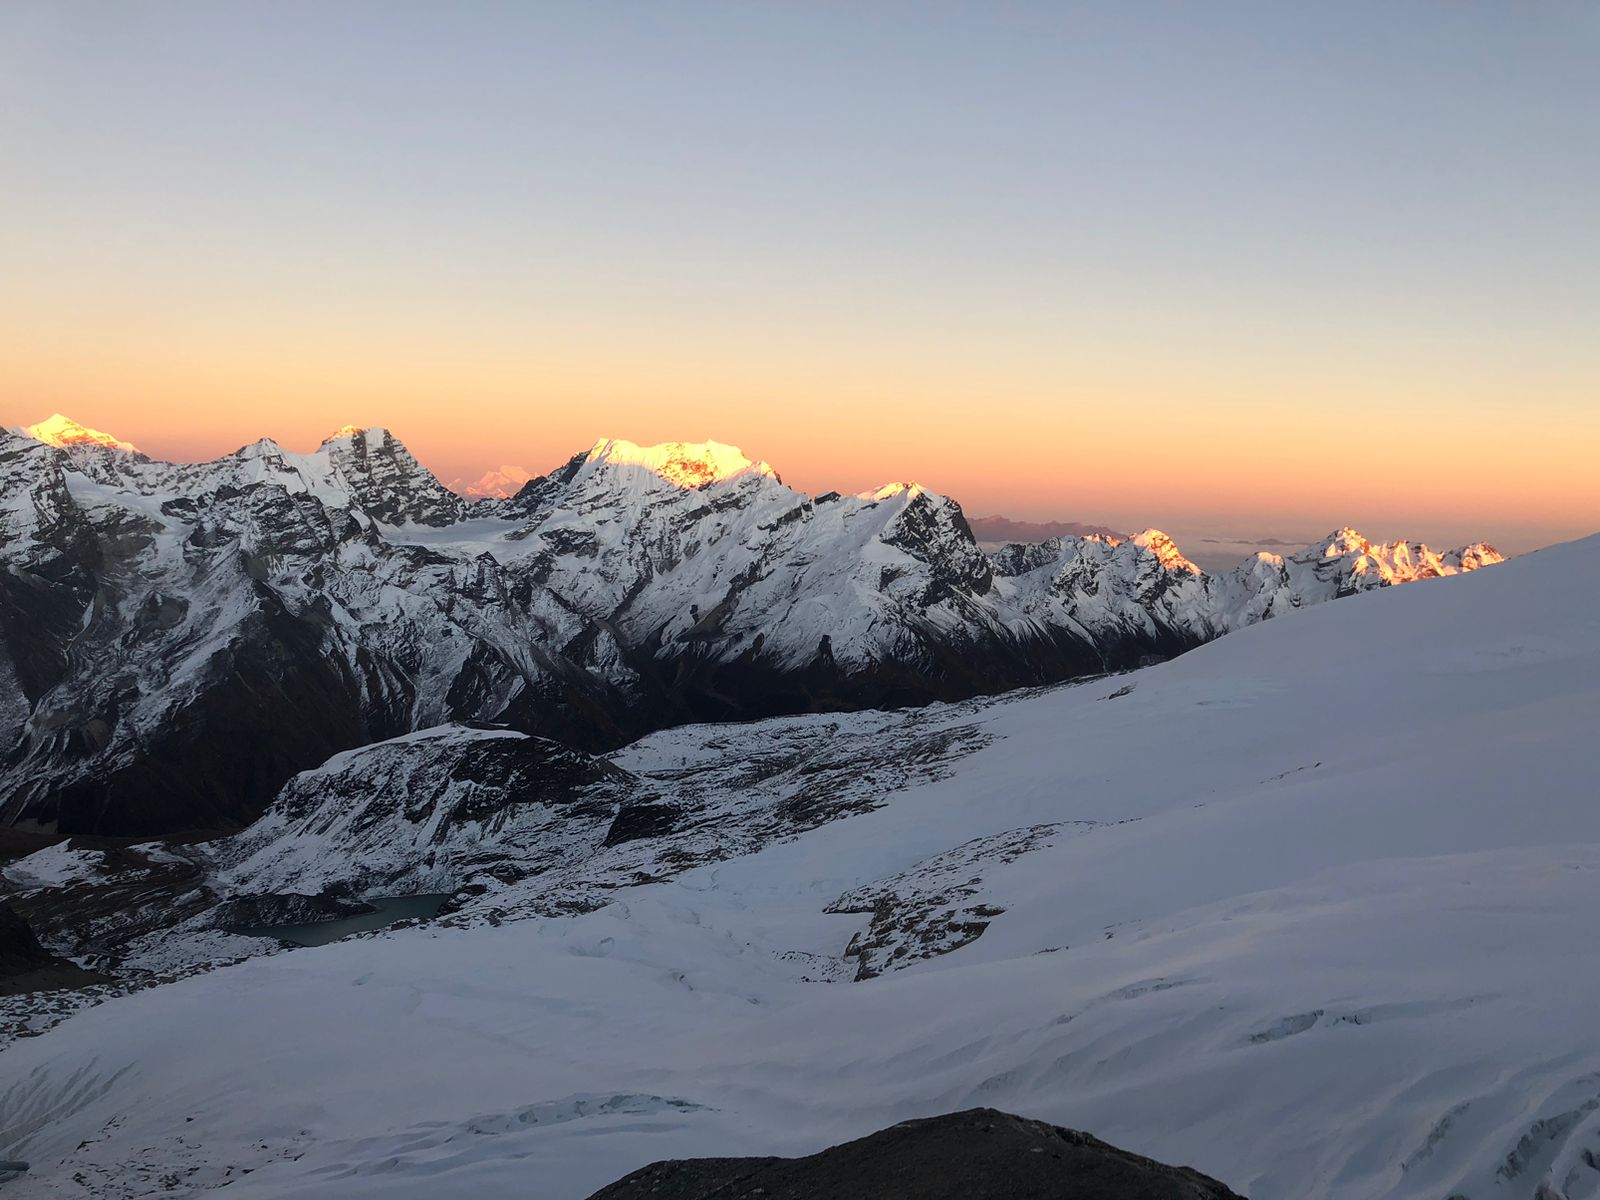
(890, 490)
(496, 484)
(1165, 550)
(1401, 562)
(686, 465)
(62, 432)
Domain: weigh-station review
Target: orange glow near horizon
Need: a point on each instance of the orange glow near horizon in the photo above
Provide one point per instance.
(1232, 423)
(996, 445)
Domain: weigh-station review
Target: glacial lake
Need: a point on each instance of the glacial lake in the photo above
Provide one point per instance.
(386, 911)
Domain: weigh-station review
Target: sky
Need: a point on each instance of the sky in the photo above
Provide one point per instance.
(1268, 267)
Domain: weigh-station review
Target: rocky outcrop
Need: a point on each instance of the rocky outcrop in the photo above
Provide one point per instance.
(981, 1154)
(938, 906)
(420, 813)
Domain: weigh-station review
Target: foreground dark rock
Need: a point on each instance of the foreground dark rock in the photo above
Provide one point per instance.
(981, 1154)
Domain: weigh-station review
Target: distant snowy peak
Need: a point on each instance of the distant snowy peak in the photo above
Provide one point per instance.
(1374, 564)
(1342, 564)
(500, 483)
(63, 432)
(1341, 542)
(1470, 558)
(683, 464)
(1165, 550)
(1108, 585)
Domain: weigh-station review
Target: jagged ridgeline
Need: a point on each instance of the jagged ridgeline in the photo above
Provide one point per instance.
(177, 640)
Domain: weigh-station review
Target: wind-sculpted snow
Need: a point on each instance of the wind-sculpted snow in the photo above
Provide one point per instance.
(1314, 936)
(177, 640)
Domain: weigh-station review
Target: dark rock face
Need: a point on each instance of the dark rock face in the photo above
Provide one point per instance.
(643, 820)
(26, 966)
(981, 1154)
(19, 949)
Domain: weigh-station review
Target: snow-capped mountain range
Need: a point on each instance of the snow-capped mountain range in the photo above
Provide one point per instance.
(177, 640)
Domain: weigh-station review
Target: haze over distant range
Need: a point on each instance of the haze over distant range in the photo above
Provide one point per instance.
(1252, 272)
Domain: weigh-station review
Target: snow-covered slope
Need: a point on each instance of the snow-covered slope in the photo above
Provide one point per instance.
(176, 640)
(1309, 908)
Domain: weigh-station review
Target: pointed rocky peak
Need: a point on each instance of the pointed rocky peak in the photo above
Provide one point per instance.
(1165, 550)
(63, 432)
(686, 465)
(386, 482)
(370, 446)
(933, 529)
(1340, 543)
